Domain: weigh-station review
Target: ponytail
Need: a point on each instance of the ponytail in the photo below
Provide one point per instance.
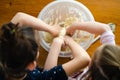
(7, 39)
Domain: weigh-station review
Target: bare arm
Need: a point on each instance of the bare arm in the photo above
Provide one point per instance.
(92, 27)
(28, 20)
(106, 35)
(52, 57)
(80, 57)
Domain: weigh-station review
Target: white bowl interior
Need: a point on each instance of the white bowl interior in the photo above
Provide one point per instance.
(61, 10)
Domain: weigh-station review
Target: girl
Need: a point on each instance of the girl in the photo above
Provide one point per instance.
(19, 51)
(105, 64)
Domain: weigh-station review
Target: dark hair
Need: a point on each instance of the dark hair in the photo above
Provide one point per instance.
(105, 64)
(17, 49)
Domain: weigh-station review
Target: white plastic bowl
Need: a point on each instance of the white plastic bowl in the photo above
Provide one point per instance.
(62, 9)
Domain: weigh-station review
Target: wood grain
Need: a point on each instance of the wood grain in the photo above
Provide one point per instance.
(103, 10)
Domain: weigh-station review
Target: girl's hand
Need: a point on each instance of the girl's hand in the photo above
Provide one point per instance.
(55, 30)
(58, 40)
(71, 29)
(68, 40)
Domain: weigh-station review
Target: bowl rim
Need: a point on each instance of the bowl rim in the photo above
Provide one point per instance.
(43, 43)
(70, 1)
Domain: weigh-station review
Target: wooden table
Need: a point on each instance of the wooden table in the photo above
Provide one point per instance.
(103, 10)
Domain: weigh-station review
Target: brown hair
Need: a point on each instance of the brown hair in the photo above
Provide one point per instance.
(105, 63)
(17, 49)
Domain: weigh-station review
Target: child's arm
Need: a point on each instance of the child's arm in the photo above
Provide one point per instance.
(96, 28)
(92, 27)
(80, 57)
(28, 20)
(52, 58)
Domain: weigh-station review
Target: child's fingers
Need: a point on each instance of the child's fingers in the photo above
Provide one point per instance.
(67, 39)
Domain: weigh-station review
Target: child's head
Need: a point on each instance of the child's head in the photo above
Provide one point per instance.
(106, 63)
(18, 49)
